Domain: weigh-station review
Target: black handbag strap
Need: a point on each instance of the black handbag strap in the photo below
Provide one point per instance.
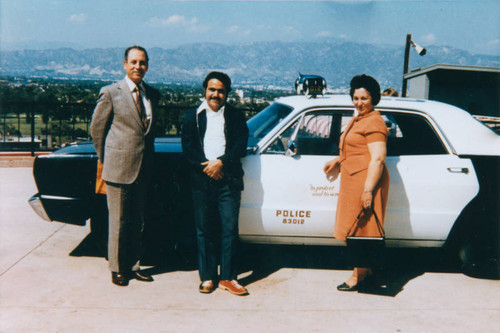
(356, 222)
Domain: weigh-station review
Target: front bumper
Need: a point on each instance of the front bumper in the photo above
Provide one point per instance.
(61, 209)
(37, 205)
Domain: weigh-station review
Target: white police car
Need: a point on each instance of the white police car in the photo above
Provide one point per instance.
(443, 164)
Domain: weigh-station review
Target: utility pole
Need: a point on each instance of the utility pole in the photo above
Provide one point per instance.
(406, 63)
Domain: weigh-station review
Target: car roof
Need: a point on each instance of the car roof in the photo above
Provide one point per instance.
(466, 135)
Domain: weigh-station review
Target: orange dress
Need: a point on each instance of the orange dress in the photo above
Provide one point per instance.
(354, 159)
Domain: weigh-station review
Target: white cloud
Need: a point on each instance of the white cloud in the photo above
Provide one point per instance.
(173, 21)
(428, 39)
(236, 30)
(233, 29)
(324, 34)
(264, 27)
(77, 18)
(495, 42)
(178, 21)
(490, 47)
(289, 30)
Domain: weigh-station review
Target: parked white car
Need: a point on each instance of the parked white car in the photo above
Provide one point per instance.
(440, 159)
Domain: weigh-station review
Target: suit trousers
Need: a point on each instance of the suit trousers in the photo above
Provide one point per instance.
(216, 211)
(126, 204)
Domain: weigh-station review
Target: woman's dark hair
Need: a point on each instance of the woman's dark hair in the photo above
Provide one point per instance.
(367, 82)
(222, 77)
(135, 47)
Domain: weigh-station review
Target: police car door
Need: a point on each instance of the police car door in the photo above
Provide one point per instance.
(430, 186)
(286, 192)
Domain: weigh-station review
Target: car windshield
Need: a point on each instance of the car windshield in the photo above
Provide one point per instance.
(264, 121)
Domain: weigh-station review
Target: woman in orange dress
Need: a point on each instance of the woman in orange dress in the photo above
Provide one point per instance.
(364, 182)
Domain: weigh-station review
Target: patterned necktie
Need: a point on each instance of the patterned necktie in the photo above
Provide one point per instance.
(140, 107)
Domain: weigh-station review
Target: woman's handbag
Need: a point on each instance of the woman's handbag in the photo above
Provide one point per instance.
(365, 242)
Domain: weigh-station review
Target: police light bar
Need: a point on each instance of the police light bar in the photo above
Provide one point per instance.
(310, 85)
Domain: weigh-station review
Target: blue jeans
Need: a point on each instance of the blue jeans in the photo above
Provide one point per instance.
(216, 211)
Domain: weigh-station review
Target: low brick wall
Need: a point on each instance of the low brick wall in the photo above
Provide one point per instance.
(16, 162)
(18, 159)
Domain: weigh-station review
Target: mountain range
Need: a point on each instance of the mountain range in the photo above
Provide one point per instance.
(255, 64)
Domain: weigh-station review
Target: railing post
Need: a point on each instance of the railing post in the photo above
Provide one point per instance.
(4, 125)
(32, 130)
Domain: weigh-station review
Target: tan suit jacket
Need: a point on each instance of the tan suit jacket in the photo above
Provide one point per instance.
(120, 138)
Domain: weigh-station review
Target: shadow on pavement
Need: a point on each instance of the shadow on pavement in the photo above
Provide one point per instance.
(164, 256)
(393, 267)
(91, 246)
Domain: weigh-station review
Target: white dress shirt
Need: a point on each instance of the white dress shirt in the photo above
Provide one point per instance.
(145, 100)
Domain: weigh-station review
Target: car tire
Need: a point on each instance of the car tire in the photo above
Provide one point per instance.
(477, 262)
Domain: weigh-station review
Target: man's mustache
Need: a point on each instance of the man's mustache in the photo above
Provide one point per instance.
(215, 99)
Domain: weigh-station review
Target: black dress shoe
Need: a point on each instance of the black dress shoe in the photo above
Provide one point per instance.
(141, 276)
(119, 279)
(345, 287)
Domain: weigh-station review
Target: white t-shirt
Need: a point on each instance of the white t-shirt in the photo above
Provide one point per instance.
(214, 142)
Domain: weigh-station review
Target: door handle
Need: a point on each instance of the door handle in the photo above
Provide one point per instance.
(458, 170)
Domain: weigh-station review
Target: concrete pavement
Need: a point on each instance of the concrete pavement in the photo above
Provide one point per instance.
(292, 289)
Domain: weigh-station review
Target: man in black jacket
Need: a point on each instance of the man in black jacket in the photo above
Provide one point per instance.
(214, 139)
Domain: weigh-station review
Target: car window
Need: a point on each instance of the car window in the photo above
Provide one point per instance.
(319, 132)
(316, 133)
(264, 121)
(280, 144)
(411, 134)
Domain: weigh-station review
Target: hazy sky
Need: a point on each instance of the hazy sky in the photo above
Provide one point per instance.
(472, 25)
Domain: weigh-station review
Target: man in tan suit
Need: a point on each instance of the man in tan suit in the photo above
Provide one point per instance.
(122, 131)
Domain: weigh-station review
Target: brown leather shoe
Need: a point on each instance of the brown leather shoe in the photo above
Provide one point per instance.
(119, 279)
(233, 287)
(141, 276)
(206, 287)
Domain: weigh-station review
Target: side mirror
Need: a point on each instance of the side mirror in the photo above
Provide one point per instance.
(291, 149)
(251, 150)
